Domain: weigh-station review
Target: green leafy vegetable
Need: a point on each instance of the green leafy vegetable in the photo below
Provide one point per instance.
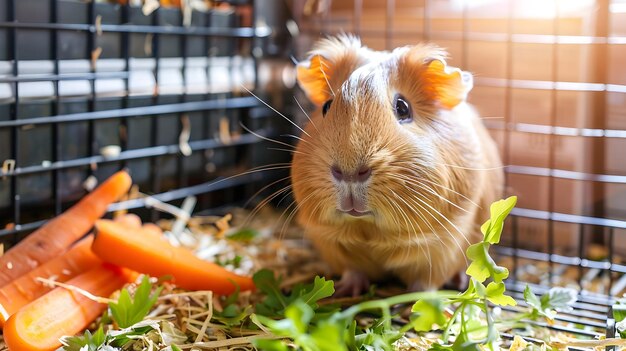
(495, 294)
(85, 342)
(246, 234)
(483, 266)
(276, 302)
(492, 228)
(326, 336)
(126, 311)
(338, 330)
(556, 299)
(430, 312)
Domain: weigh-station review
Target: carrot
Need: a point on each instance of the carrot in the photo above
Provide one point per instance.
(55, 236)
(151, 227)
(140, 251)
(26, 288)
(129, 218)
(40, 324)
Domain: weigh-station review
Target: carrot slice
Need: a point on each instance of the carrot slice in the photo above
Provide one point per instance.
(26, 288)
(140, 251)
(55, 236)
(153, 228)
(129, 218)
(40, 324)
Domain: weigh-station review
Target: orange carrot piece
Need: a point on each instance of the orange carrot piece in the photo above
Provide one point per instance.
(153, 228)
(26, 288)
(55, 236)
(39, 325)
(138, 250)
(129, 218)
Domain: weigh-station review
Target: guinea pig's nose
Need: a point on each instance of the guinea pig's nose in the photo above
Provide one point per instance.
(360, 175)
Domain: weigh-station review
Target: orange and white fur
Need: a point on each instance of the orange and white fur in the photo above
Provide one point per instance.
(395, 172)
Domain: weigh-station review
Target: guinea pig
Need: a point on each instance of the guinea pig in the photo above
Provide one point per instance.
(395, 172)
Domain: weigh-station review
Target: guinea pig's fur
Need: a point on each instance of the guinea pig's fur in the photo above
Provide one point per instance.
(432, 179)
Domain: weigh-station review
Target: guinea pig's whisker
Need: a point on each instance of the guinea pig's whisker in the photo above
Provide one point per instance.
(393, 216)
(293, 212)
(287, 150)
(470, 168)
(402, 214)
(265, 201)
(306, 114)
(315, 209)
(419, 214)
(265, 138)
(275, 110)
(286, 191)
(452, 191)
(435, 211)
(295, 206)
(322, 63)
(418, 183)
(432, 213)
(264, 188)
(296, 137)
(419, 245)
(264, 168)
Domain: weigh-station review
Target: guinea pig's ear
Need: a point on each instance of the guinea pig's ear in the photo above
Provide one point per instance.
(329, 64)
(314, 78)
(447, 85)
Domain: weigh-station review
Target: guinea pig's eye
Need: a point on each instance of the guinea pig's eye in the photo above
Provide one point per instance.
(402, 109)
(326, 107)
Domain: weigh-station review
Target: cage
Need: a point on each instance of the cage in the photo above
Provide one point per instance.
(185, 99)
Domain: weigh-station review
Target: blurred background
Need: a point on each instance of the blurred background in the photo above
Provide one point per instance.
(162, 88)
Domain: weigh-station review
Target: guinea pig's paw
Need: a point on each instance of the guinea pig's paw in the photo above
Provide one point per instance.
(352, 283)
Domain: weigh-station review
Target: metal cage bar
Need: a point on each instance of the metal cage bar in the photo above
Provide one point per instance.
(118, 33)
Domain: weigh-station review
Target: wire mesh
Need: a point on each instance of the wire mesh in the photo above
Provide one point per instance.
(87, 88)
(550, 89)
(78, 77)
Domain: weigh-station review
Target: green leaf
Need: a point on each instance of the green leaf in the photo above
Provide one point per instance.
(98, 337)
(321, 289)
(126, 336)
(175, 348)
(492, 229)
(461, 343)
(77, 343)
(275, 302)
(300, 314)
(556, 299)
(560, 299)
(269, 345)
(619, 312)
(431, 312)
(246, 234)
(531, 299)
(439, 347)
(327, 336)
(495, 294)
(126, 311)
(483, 266)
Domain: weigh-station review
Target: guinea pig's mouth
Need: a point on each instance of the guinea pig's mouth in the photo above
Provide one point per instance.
(355, 213)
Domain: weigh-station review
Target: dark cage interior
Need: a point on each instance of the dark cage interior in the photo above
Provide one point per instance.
(87, 88)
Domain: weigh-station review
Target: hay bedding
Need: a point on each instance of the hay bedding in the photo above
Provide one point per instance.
(196, 320)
